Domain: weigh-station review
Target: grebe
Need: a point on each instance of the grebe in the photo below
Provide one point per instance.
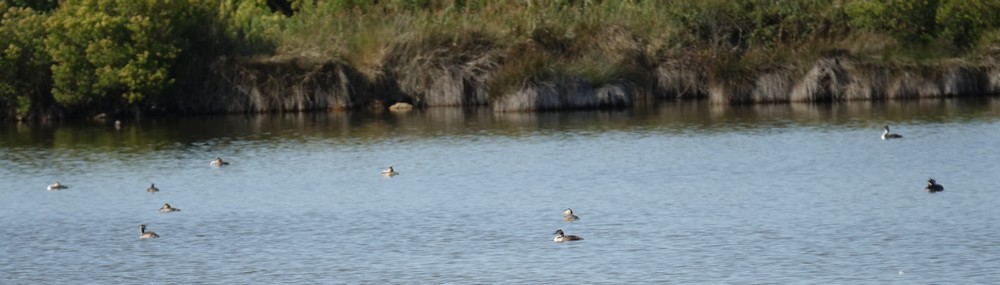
(389, 172)
(886, 135)
(218, 162)
(561, 237)
(933, 187)
(57, 186)
(167, 209)
(569, 216)
(143, 234)
(152, 188)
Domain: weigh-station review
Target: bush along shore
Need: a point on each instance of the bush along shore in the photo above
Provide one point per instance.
(75, 59)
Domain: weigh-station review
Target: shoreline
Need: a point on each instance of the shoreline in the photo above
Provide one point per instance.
(550, 55)
(298, 85)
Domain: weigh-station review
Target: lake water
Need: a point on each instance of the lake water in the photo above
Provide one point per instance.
(675, 193)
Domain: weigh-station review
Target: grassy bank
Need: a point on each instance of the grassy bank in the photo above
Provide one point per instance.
(84, 57)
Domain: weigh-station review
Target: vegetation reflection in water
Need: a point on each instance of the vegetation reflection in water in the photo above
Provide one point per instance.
(75, 142)
(157, 133)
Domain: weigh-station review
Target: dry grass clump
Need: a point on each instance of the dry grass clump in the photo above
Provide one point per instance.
(443, 70)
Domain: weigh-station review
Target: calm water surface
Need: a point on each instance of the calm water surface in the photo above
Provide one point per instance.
(677, 193)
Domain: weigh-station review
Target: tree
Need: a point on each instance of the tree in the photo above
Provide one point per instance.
(112, 52)
(23, 62)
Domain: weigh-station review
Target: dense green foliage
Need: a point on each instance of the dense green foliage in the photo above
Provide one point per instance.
(106, 55)
(98, 56)
(23, 61)
(111, 49)
(960, 22)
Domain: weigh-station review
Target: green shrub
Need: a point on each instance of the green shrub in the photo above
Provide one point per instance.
(111, 50)
(964, 21)
(959, 22)
(120, 52)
